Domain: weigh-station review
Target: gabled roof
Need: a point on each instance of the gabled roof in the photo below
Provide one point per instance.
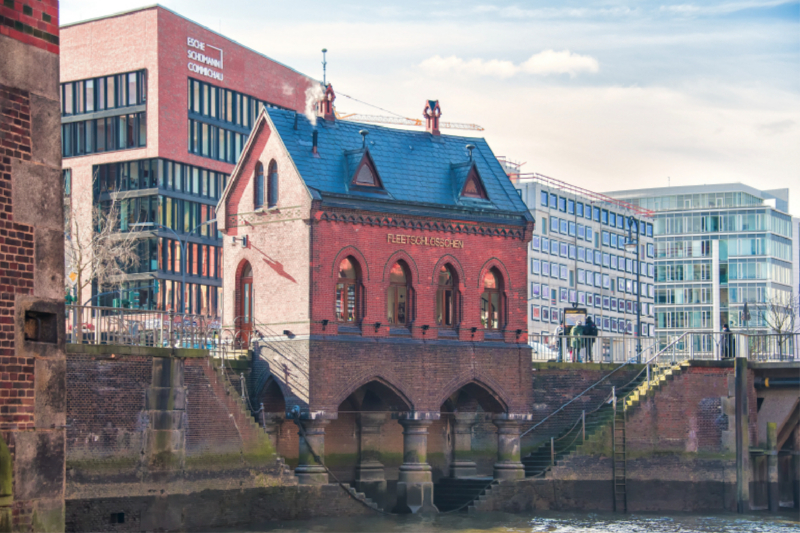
(414, 167)
(420, 173)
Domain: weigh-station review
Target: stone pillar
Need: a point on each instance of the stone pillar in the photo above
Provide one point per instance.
(462, 465)
(309, 471)
(508, 465)
(272, 425)
(743, 467)
(796, 466)
(165, 437)
(773, 490)
(415, 483)
(370, 478)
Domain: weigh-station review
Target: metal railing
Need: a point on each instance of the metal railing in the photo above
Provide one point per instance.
(691, 345)
(584, 349)
(139, 327)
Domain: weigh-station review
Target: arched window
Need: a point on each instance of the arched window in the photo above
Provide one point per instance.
(347, 291)
(244, 305)
(492, 300)
(398, 310)
(258, 186)
(446, 298)
(272, 184)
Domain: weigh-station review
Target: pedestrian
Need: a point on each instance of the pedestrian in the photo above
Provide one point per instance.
(559, 334)
(590, 331)
(576, 340)
(727, 342)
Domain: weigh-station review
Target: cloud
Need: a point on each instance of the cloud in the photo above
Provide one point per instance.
(776, 128)
(542, 64)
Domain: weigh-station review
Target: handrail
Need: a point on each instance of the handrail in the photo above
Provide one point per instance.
(542, 421)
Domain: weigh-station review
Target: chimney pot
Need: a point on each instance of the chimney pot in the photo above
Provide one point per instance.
(325, 106)
(432, 112)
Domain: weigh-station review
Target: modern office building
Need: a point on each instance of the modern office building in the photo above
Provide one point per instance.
(578, 256)
(155, 112)
(717, 248)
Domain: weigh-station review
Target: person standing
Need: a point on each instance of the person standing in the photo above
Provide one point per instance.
(727, 342)
(576, 339)
(559, 333)
(589, 331)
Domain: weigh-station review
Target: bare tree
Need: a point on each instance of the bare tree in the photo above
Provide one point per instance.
(780, 315)
(97, 251)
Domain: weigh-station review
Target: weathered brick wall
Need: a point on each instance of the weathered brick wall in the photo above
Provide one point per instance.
(105, 403)
(426, 373)
(684, 416)
(32, 366)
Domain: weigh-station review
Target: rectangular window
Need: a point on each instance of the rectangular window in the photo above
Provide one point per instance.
(545, 245)
(581, 276)
(563, 249)
(553, 201)
(572, 251)
(535, 313)
(589, 234)
(563, 294)
(536, 290)
(563, 226)
(562, 204)
(553, 224)
(535, 266)
(579, 209)
(612, 219)
(596, 212)
(535, 243)
(563, 272)
(553, 247)
(545, 268)
(581, 254)
(613, 240)
(554, 270)
(605, 238)
(581, 231)
(544, 198)
(571, 207)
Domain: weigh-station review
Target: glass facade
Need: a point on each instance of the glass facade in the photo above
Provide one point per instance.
(220, 120)
(714, 252)
(170, 203)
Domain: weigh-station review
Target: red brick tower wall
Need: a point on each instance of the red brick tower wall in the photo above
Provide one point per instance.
(32, 361)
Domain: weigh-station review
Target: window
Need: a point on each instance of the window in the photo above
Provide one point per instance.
(581, 253)
(553, 201)
(98, 94)
(473, 188)
(562, 204)
(604, 217)
(492, 300)
(347, 289)
(563, 272)
(535, 313)
(535, 266)
(535, 243)
(581, 276)
(258, 186)
(589, 236)
(446, 298)
(554, 224)
(612, 219)
(545, 245)
(545, 268)
(563, 226)
(397, 307)
(571, 207)
(563, 294)
(579, 209)
(596, 212)
(553, 247)
(581, 231)
(543, 195)
(272, 184)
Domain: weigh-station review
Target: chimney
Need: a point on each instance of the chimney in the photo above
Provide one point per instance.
(325, 106)
(432, 113)
(314, 142)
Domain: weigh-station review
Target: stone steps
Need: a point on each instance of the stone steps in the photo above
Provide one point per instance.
(451, 493)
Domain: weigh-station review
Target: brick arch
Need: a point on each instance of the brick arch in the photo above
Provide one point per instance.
(448, 259)
(355, 252)
(384, 377)
(486, 383)
(395, 257)
(495, 262)
(281, 387)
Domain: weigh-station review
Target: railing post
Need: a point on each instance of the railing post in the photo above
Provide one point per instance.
(241, 384)
(552, 451)
(583, 424)
(263, 418)
(648, 375)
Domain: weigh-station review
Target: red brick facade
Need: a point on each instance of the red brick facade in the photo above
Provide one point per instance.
(33, 22)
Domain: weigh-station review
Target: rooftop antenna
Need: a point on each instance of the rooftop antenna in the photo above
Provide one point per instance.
(324, 67)
(363, 134)
(470, 147)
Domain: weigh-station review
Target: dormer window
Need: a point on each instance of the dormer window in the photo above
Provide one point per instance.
(473, 188)
(366, 177)
(365, 174)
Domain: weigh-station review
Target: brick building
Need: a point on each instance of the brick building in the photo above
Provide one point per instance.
(155, 111)
(32, 360)
(379, 271)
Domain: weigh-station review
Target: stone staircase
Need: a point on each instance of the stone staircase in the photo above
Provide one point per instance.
(362, 497)
(450, 493)
(571, 439)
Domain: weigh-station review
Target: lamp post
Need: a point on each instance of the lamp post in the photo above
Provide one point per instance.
(630, 244)
(182, 242)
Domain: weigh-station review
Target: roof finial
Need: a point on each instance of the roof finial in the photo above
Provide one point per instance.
(470, 148)
(363, 134)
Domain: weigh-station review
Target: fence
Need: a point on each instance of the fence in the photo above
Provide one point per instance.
(693, 345)
(139, 327)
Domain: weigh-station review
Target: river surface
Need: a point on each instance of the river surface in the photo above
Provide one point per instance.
(543, 522)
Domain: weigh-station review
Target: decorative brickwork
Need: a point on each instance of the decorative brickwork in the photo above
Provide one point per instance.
(34, 22)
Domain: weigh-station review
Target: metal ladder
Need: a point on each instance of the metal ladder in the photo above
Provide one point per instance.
(619, 460)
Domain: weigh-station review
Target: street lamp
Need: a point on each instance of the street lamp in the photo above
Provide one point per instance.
(632, 244)
(182, 242)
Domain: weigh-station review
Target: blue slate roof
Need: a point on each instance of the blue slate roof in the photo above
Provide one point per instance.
(416, 168)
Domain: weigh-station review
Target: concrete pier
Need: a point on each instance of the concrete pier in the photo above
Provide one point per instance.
(462, 465)
(309, 471)
(370, 476)
(509, 465)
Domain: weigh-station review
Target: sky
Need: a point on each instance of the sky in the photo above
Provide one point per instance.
(606, 95)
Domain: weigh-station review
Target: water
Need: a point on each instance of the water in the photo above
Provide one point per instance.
(543, 522)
